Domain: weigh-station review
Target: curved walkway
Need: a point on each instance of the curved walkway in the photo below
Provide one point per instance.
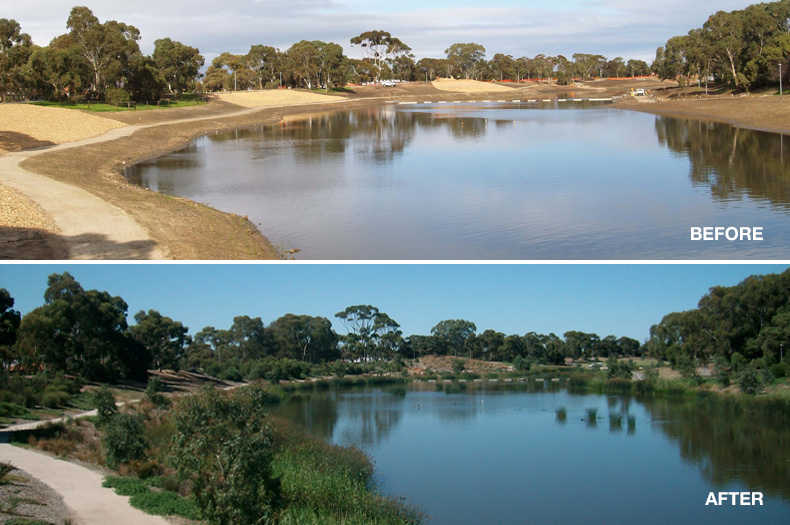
(80, 488)
(91, 227)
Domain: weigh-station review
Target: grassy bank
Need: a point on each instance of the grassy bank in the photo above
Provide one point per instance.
(220, 457)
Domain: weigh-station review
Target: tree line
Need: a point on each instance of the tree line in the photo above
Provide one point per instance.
(743, 47)
(732, 326)
(102, 60)
(87, 333)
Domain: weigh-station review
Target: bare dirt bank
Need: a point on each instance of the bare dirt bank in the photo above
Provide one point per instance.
(765, 113)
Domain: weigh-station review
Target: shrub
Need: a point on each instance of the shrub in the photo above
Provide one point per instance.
(577, 382)
(154, 392)
(123, 439)
(458, 366)
(223, 447)
(230, 374)
(165, 503)
(5, 469)
(562, 413)
(592, 414)
(55, 399)
(749, 380)
(117, 96)
(105, 405)
(521, 364)
(780, 370)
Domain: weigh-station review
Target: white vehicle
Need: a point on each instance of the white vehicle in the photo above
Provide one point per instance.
(388, 83)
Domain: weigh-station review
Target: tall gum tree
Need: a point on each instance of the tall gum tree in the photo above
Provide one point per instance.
(378, 47)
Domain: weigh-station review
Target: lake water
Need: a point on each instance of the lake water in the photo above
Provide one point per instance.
(499, 455)
(491, 181)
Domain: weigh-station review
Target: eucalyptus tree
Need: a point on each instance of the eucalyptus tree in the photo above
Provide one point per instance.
(310, 339)
(9, 325)
(453, 334)
(367, 326)
(82, 332)
(466, 57)
(502, 66)
(265, 62)
(378, 48)
(165, 339)
(107, 47)
(15, 50)
(178, 63)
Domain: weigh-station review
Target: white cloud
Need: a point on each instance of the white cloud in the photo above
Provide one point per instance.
(609, 27)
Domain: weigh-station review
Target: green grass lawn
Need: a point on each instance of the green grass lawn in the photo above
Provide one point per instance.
(185, 100)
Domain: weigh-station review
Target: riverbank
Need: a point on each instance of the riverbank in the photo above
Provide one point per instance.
(183, 229)
(761, 112)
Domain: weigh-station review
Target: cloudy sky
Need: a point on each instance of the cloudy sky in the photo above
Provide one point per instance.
(630, 29)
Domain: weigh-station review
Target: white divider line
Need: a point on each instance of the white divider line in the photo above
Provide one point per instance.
(427, 102)
(406, 102)
(442, 102)
(562, 100)
(516, 100)
(501, 100)
(456, 101)
(546, 100)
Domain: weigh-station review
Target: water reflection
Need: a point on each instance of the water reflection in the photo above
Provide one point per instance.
(726, 448)
(732, 163)
(491, 181)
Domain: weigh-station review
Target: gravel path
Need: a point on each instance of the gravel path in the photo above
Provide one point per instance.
(80, 488)
(18, 211)
(90, 227)
(23, 496)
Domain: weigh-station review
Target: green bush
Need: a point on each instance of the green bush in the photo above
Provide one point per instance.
(165, 503)
(117, 96)
(154, 392)
(749, 380)
(162, 503)
(458, 366)
(125, 486)
(223, 447)
(55, 399)
(105, 405)
(123, 439)
(521, 364)
(780, 370)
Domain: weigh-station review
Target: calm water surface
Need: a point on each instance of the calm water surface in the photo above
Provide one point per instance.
(491, 181)
(500, 455)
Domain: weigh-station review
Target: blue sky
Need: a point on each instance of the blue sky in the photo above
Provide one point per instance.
(605, 299)
(519, 27)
